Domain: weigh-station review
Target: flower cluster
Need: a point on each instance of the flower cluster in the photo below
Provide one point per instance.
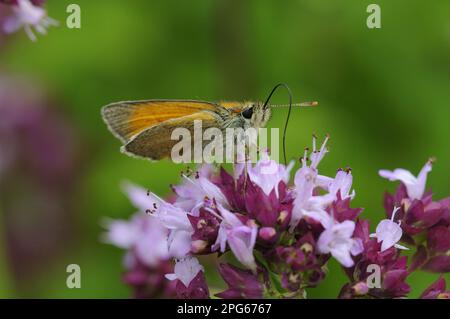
(425, 222)
(412, 217)
(283, 234)
(28, 14)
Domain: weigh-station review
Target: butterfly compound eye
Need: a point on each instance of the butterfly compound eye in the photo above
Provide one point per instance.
(247, 114)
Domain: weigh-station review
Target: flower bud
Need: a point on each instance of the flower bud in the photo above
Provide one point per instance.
(282, 217)
(307, 248)
(360, 288)
(198, 246)
(267, 233)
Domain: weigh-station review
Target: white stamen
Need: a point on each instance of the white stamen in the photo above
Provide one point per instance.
(314, 143)
(396, 209)
(188, 179)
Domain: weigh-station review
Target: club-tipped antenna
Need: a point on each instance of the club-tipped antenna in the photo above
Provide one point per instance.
(302, 104)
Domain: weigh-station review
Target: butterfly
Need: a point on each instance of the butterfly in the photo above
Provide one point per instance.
(145, 127)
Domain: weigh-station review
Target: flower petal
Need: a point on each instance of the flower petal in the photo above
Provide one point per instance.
(186, 270)
(139, 197)
(242, 241)
(179, 243)
(389, 233)
(415, 187)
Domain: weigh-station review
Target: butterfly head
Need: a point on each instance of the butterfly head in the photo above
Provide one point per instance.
(255, 114)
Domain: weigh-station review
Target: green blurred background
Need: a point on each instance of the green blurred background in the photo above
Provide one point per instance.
(383, 93)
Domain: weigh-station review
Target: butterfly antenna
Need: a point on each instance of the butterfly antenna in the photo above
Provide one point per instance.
(303, 104)
(288, 115)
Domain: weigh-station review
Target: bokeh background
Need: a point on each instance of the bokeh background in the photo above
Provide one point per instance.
(383, 93)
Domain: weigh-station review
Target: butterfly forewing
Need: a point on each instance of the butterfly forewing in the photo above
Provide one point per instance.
(127, 119)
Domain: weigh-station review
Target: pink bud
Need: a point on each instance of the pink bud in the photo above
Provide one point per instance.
(360, 288)
(267, 233)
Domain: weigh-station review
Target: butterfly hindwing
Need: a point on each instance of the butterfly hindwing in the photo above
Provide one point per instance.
(156, 142)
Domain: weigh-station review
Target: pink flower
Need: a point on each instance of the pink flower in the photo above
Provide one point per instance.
(338, 192)
(292, 230)
(197, 289)
(306, 180)
(267, 173)
(415, 186)
(191, 280)
(177, 222)
(301, 257)
(304, 201)
(192, 193)
(140, 198)
(342, 183)
(186, 269)
(28, 16)
(417, 215)
(206, 228)
(337, 240)
(174, 219)
(241, 238)
(143, 234)
(388, 233)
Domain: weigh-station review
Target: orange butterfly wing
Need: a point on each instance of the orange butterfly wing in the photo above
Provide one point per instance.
(127, 119)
